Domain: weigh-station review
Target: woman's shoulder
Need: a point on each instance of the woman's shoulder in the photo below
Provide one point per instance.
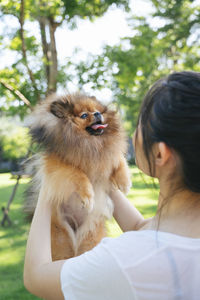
(140, 237)
(151, 237)
(143, 243)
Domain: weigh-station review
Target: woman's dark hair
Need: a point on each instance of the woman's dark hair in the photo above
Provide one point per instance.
(170, 113)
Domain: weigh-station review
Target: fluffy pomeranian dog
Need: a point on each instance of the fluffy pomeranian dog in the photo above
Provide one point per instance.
(83, 156)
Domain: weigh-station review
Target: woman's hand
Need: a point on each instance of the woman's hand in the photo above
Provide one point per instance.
(41, 274)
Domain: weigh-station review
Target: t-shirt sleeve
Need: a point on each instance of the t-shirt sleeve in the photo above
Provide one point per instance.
(94, 275)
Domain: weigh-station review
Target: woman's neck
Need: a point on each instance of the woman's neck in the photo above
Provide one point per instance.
(178, 211)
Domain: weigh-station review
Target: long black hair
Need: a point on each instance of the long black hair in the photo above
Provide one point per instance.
(170, 113)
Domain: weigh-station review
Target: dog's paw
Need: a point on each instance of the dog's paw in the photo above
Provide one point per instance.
(125, 187)
(88, 203)
(123, 183)
(87, 197)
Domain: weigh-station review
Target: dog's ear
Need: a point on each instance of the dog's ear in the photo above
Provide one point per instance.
(57, 109)
(61, 108)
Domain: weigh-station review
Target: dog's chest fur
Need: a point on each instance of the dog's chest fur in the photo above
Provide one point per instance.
(78, 221)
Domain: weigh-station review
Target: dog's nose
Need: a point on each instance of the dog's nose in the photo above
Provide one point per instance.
(97, 116)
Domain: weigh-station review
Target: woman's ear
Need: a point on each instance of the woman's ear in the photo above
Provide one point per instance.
(162, 154)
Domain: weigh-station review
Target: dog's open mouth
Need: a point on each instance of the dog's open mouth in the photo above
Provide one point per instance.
(96, 128)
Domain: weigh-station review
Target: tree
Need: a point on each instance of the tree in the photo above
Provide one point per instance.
(36, 71)
(153, 51)
(14, 140)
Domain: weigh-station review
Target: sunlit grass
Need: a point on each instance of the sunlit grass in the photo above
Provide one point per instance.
(13, 238)
(12, 242)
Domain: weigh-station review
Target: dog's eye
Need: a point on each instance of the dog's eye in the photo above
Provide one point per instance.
(83, 116)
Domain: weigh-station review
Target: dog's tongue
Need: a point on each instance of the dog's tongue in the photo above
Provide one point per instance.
(97, 126)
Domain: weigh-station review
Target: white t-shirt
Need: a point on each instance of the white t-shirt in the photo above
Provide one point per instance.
(142, 265)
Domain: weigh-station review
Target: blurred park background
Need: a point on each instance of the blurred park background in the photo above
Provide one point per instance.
(111, 49)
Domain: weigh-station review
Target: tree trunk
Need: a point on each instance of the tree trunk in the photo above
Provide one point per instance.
(43, 21)
(21, 21)
(53, 61)
(49, 51)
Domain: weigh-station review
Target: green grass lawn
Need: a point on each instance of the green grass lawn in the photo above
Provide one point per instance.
(13, 238)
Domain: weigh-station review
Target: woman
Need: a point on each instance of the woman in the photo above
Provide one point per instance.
(154, 259)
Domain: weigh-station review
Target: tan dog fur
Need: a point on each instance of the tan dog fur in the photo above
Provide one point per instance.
(77, 169)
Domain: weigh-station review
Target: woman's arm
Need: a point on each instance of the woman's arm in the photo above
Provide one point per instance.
(126, 215)
(41, 275)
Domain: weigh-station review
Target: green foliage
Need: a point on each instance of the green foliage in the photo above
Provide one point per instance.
(14, 140)
(152, 51)
(167, 41)
(91, 8)
(10, 7)
(36, 53)
(53, 8)
(16, 144)
(31, 44)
